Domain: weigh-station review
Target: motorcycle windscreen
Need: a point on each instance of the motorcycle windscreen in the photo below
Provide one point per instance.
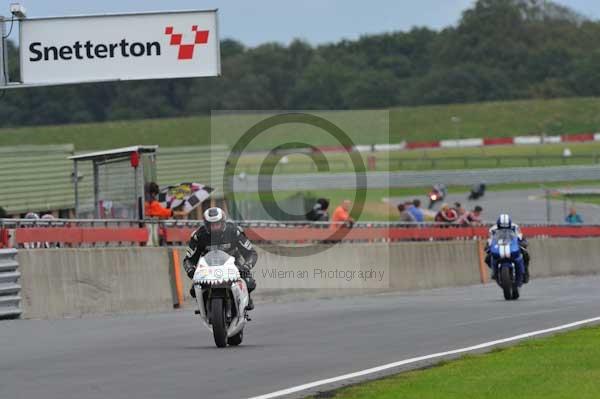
(216, 258)
(504, 237)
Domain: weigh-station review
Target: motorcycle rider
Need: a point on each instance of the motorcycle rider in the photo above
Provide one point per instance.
(477, 191)
(441, 189)
(438, 193)
(217, 233)
(504, 222)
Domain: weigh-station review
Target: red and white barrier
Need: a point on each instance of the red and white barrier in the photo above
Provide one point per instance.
(520, 140)
(461, 143)
(476, 142)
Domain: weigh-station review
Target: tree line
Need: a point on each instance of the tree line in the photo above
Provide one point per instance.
(498, 50)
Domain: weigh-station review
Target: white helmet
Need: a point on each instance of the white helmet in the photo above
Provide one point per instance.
(504, 221)
(214, 218)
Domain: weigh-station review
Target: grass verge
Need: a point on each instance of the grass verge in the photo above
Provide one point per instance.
(587, 153)
(558, 367)
(493, 119)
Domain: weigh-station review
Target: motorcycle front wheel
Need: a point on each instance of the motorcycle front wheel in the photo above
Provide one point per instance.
(217, 313)
(505, 278)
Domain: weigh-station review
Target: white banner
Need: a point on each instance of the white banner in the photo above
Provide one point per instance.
(119, 47)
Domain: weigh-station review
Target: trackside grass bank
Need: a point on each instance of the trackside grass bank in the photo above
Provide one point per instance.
(493, 119)
(558, 367)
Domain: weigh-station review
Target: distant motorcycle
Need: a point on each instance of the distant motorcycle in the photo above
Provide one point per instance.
(504, 250)
(437, 194)
(477, 191)
(222, 297)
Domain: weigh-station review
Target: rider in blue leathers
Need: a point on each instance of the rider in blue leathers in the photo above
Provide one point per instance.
(504, 222)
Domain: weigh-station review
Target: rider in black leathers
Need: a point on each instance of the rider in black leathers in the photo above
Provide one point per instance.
(218, 233)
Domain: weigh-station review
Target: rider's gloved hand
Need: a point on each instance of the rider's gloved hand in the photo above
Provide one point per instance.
(190, 270)
(245, 271)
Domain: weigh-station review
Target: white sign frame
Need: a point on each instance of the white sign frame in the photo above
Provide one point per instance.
(165, 49)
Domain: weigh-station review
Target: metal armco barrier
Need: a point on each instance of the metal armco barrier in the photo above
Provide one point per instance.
(9, 284)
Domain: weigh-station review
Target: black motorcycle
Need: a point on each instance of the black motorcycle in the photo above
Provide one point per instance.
(477, 191)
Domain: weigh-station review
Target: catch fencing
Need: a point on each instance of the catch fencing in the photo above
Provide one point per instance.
(10, 288)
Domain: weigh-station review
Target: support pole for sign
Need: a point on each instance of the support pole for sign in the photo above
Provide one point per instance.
(76, 186)
(96, 192)
(3, 73)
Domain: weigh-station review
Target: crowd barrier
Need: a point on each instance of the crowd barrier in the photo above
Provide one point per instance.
(85, 233)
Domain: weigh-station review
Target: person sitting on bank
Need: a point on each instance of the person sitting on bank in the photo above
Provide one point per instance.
(446, 215)
(416, 211)
(153, 208)
(472, 218)
(405, 215)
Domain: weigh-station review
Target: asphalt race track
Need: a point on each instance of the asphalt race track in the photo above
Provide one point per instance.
(171, 354)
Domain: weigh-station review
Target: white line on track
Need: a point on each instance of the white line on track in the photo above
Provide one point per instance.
(388, 366)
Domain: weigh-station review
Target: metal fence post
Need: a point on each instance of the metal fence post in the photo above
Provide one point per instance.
(3, 54)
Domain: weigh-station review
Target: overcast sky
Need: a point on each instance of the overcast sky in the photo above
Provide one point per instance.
(318, 21)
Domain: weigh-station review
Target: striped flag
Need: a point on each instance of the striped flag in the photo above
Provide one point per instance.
(186, 196)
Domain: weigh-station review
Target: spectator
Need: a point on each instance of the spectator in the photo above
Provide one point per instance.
(416, 211)
(573, 217)
(459, 209)
(446, 215)
(3, 214)
(153, 208)
(405, 215)
(341, 215)
(318, 213)
(472, 218)
(33, 217)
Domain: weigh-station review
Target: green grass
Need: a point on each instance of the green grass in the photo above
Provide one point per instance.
(495, 119)
(439, 159)
(588, 199)
(579, 199)
(558, 367)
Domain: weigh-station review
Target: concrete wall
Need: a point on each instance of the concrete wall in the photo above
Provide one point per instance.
(564, 256)
(423, 265)
(72, 282)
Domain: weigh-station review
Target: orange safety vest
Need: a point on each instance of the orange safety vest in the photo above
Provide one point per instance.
(155, 209)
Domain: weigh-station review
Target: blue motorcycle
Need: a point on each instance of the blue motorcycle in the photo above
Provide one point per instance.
(507, 260)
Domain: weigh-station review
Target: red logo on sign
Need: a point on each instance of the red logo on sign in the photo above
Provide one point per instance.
(186, 51)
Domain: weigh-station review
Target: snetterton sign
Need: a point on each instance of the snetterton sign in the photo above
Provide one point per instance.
(119, 47)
